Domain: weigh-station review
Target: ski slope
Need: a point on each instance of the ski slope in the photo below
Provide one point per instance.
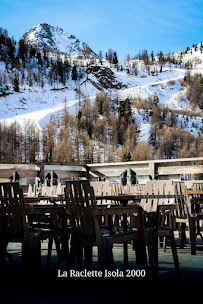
(39, 117)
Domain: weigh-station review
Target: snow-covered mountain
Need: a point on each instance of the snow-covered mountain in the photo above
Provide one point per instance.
(55, 39)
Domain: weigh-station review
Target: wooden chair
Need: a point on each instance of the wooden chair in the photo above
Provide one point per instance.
(101, 188)
(86, 232)
(185, 213)
(15, 228)
(155, 213)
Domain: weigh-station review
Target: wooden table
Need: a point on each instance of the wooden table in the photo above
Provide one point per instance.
(198, 192)
(33, 208)
(136, 197)
(35, 199)
(51, 199)
(115, 209)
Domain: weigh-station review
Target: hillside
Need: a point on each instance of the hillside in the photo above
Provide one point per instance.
(49, 70)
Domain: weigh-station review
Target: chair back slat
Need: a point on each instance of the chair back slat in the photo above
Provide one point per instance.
(182, 209)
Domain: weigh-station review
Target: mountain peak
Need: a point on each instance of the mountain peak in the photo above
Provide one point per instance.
(55, 39)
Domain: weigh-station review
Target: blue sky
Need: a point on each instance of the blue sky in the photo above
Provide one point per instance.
(125, 26)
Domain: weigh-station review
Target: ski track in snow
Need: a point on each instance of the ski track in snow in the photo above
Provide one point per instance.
(38, 116)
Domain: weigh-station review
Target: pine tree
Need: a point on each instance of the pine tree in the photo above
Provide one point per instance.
(156, 124)
(152, 56)
(126, 157)
(100, 57)
(23, 50)
(115, 59)
(48, 139)
(128, 58)
(16, 84)
(142, 151)
(110, 55)
(74, 73)
(161, 60)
